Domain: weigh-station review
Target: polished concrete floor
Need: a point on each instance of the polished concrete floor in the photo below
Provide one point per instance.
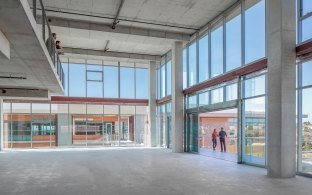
(127, 171)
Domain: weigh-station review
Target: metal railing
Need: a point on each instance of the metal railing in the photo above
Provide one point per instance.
(47, 38)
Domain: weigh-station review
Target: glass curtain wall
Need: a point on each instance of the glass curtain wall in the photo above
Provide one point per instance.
(214, 95)
(49, 125)
(232, 41)
(304, 20)
(164, 131)
(42, 126)
(254, 120)
(304, 98)
(164, 77)
(195, 102)
(104, 79)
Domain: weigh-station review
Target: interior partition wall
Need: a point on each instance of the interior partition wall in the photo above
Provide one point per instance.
(50, 125)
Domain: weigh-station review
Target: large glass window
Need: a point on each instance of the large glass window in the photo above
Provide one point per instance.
(217, 50)
(254, 120)
(77, 80)
(110, 81)
(255, 86)
(306, 6)
(141, 83)
(306, 132)
(306, 73)
(127, 82)
(233, 41)
(163, 80)
(254, 139)
(192, 63)
(203, 59)
(306, 29)
(158, 83)
(217, 95)
(192, 101)
(20, 131)
(184, 69)
(94, 81)
(254, 30)
(305, 20)
(305, 118)
(203, 99)
(43, 132)
(65, 70)
(168, 78)
(231, 92)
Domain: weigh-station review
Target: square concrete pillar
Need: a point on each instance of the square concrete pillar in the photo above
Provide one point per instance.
(152, 104)
(177, 97)
(281, 93)
(1, 125)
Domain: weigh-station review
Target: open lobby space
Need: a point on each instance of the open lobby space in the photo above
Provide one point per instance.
(135, 171)
(155, 97)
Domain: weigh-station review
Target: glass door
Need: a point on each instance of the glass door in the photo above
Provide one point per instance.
(192, 132)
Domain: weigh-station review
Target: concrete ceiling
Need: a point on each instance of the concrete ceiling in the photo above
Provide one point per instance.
(180, 16)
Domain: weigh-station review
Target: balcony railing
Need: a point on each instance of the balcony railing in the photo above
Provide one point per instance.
(47, 37)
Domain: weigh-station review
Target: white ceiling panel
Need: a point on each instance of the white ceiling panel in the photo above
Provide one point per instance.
(181, 16)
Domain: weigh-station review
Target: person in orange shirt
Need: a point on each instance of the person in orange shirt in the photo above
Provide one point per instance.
(214, 139)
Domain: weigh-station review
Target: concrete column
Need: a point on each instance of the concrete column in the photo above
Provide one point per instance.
(177, 97)
(281, 96)
(152, 104)
(1, 124)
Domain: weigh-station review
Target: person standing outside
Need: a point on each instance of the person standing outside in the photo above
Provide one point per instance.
(214, 139)
(222, 135)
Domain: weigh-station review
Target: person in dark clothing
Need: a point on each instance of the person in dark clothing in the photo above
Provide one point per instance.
(214, 139)
(222, 135)
(59, 48)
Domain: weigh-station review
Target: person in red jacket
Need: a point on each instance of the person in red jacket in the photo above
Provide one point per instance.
(214, 139)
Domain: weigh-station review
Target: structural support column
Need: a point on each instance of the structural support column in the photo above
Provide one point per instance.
(177, 97)
(152, 104)
(281, 101)
(1, 124)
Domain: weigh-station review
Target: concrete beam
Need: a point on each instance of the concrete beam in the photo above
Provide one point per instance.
(4, 46)
(86, 25)
(15, 93)
(90, 52)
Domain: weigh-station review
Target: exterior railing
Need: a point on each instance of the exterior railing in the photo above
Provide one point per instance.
(47, 37)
